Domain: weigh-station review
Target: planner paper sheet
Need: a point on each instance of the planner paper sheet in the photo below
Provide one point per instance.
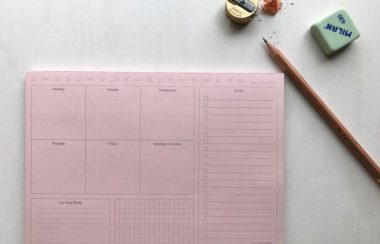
(153, 158)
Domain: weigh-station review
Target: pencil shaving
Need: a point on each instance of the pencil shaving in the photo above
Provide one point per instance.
(272, 6)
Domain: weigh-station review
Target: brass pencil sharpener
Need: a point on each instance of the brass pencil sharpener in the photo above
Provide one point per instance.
(241, 11)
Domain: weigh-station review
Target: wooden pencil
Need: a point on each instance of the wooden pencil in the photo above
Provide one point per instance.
(324, 111)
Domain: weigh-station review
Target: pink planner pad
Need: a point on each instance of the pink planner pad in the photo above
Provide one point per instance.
(153, 158)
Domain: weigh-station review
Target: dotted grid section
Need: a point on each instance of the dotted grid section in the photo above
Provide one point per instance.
(154, 221)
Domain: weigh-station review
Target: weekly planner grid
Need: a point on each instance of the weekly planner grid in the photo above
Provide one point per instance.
(153, 158)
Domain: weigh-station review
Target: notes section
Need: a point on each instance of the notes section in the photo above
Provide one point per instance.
(58, 166)
(112, 167)
(58, 112)
(100, 139)
(75, 221)
(167, 167)
(154, 221)
(238, 131)
(111, 113)
(167, 113)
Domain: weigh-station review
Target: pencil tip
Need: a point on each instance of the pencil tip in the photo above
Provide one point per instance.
(265, 40)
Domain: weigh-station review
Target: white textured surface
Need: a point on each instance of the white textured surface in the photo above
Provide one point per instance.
(329, 197)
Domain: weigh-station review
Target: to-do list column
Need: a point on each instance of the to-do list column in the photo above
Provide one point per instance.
(238, 130)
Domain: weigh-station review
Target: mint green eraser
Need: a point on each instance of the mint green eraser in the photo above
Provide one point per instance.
(335, 32)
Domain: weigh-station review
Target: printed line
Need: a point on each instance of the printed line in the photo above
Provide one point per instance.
(212, 114)
(238, 187)
(224, 172)
(236, 143)
(258, 209)
(239, 100)
(243, 224)
(246, 165)
(249, 202)
(57, 139)
(140, 146)
(71, 238)
(68, 208)
(242, 121)
(239, 129)
(50, 218)
(235, 180)
(69, 223)
(91, 213)
(199, 164)
(237, 194)
(63, 242)
(241, 136)
(265, 107)
(31, 156)
(85, 137)
(237, 231)
(264, 151)
(70, 232)
(67, 228)
(236, 158)
(237, 238)
(239, 216)
(108, 140)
